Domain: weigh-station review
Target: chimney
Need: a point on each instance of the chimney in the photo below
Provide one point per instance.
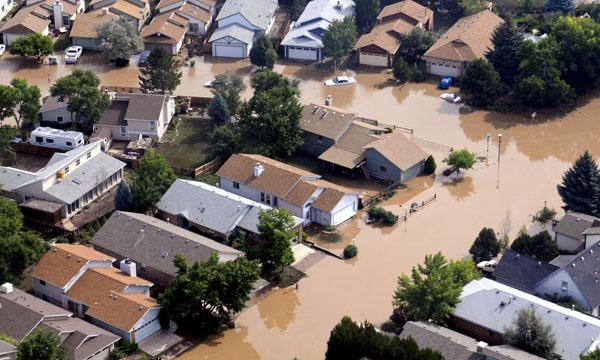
(127, 266)
(329, 101)
(481, 346)
(57, 10)
(6, 288)
(105, 11)
(258, 169)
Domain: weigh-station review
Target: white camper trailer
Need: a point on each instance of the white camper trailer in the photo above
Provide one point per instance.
(54, 138)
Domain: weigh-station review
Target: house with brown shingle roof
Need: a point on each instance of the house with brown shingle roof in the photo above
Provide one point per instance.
(84, 34)
(83, 281)
(470, 38)
(136, 11)
(379, 46)
(395, 157)
(279, 185)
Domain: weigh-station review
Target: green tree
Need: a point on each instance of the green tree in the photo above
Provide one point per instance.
(296, 8)
(7, 154)
(225, 141)
(416, 43)
(218, 111)
(433, 289)
(401, 70)
(119, 38)
(259, 54)
(153, 179)
(594, 355)
(592, 9)
(20, 250)
(230, 86)
(505, 54)
(529, 333)
(208, 292)
(28, 103)
(34, 44)
(161, 74)
(460, 159)
(366, 13)
(563, 6)
(9, 98)
(580, 187)
(123, 197)
(486, 245)
(274, 247)
(267, 80)
(41, 345)
(81, 90)
(11, 218)
(541, 246)
(480, 84)
(339, 39)
(430, 165)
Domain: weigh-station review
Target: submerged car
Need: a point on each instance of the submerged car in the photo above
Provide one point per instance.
(73, 54)
(340, 80)
(446, 82)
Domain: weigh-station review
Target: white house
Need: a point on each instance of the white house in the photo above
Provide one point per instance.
(280, 185)
(239, 22)
(304, 40)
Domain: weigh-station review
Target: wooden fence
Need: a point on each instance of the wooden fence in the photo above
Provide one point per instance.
(208, 168)
(27, 148)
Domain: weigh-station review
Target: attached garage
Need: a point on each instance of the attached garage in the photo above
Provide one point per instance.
(445, 69)
(232, 41)
(147, 329)
(345, 213)
(302, 53)
(229, 50)
(373, 59)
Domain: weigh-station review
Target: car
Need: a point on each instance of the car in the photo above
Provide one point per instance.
(446, 82)
(209, 84)
(73, 54)
(487, 264)
(340, 80)
(2, 49)
(15, 140)
(143, 58)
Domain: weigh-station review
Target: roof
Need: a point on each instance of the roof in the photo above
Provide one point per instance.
(399, 150)
(114, 115)
(521, 271)
(383, 35)
(120, 310)
(328, 199)
(52, 102)
(143, 106)
(349, 150)
(63, 261)
(325, 121)
(42, 205)
(494, 306)
(196, 12)
(574, 225)
(410, 8)
(258, 12)
(28, 19)
(235, 31)
(468, 39)
(562, 260)
(155, 242)
(165, 28)
(85, 27)
(128, 8)
(6, 348)
(583, 270)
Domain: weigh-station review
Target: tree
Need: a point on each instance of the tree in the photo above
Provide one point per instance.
(225, 141)
(267, 80)
(218, 111)
(296, 8)
(274, 246)
(460, 159)
(81, 90)
(563, 6)
(529, 333)
(28, 103)
(123, 197)
(339, 39)
(230, 86)
(433, 289)
(505, 54)
(416, 43)
(541, 246)
(7, 154)
(11, 218)
(9, 98)
(401, 70)
(366, 13)
(260, 53)
(208, 292)
(161, 74)
(580, 187)
(153, 179)
(594, 355)
(486, 246)
(34, 44)
(119, 38)
(430, 165)
(41, 345)
(480, 84)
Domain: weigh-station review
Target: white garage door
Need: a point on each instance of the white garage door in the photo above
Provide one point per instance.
(444, 70)
(373, 59)
(146, 330)
(231, 51)
(302, 53)
(344, 214)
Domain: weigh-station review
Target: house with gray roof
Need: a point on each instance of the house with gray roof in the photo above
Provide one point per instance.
(521, 271)
(21, 313)
(65, 185)
(211, 210)
(152, 245)
(240, 22)
(576, 231)
(54, 113)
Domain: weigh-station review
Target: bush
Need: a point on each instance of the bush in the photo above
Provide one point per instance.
(430, 165)
(350, 251)
(380, 214)
(419, 73)
(401, 70)
(62, 43)
(544, 215)
(389, 326)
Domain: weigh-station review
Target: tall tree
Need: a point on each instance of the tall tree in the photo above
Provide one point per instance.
(225, 141)
(267, 80)
(540, 246)
(119, 38)
(41, 345)
(563, 6)
(218, 111)
(296, 8)
(7, 153)
(580, 187)
(529, 333)
(229, 86)
(261, 53)
(416, 43)
(274, 246)
(594, 355)
(34, 44)
(161, 74)
(81, 90)
(366, 13)
(123, 197)
(505, 55)
(480, 84)
(11, 218)
(339, 39)
(28, 104)
(153, 179)
(485, 246)
(9, 98)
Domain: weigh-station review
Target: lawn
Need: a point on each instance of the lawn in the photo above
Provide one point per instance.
(188, 143)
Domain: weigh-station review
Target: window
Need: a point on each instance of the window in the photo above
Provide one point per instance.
(275, 202)
(383, 168)
(67, 170)
(42, 282)
(236, 185)
(50, 141)
(564, 286)
(39, 139)
(123, 130)
(69, 143)
(89, 155)
(59, 118)
(78, 162)
(265, 198)
(152, 125)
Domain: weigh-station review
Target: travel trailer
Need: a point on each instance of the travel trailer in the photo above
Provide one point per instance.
(54, 138)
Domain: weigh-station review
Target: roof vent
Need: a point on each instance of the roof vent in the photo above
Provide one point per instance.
(6, 288)
(582, 258)
(481, 346)
(258, 169)
(539, 263)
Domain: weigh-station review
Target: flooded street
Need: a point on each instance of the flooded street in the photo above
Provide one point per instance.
(290, 323)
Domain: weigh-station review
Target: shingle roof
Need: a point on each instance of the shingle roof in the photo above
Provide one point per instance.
(120, 310)
(584, 271)
(328, 199)
(349, 150)
(521, 271)
(399, 150)
(130, 9)
(20, 313)
(325, 121)
(85, 26)
(143, 106)
(235, 31)
(258, 12)
(27, 19)
(80, 338)
(574, 224)
(409, 8)
(165, 28)
(114, 114)
(52, 102)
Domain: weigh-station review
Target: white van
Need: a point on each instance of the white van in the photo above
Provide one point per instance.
(54, 138)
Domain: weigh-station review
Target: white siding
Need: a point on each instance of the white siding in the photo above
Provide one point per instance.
(567, 243)
(237, 19)
(293, 209)
(345, 209)
(147, 326)
(243, 190)
(373, 59)
(228, 50)
(444, 68)
(554, 284)
(302, 53)
(48, 292)
(5, 7)
(591, 240)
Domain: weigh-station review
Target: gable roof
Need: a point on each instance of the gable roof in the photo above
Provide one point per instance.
(399, 150)
(584, 270)
(52, 102)
(521, 271)
(468, 39)
(326, 121)
(167, 28)
(574, 224)
(235, 31)
(410, 8)
(143, 106)
(85, 27)
(258, 12)
(349, 150)
(26, 20)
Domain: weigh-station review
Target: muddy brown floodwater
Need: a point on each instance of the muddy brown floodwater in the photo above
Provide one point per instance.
(288, 323)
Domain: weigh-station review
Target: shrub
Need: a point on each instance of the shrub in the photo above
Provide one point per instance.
(430, 165)
(350, 251)
(389, 326)
(401, 70)
(544, 215)
(419, 73)
(386, 217)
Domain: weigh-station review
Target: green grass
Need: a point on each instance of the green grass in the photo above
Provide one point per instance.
(189, 147)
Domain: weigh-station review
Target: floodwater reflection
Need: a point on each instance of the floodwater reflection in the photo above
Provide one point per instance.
(461, 188)
(279, 311)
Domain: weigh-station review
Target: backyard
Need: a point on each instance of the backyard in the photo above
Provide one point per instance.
(186, 142)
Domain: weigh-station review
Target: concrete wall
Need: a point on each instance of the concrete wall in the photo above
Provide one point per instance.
(553, 285)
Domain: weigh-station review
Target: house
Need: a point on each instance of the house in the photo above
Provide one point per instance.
(576, 231)
(22, 313)
(136, 11)
(7, 351)
(470, 38)
(83, 33)
(130, 116)
(36, 16)
(279, 185)
(380, 46)
(151, 245)
(167, 31)
(239, 22)
(84, 281)
(487, 308)
(53, 112)
(5, 7)
(395, 158)
(456, 346)
(522, 272)
(68, 182)
(304, 41)
(199, 13)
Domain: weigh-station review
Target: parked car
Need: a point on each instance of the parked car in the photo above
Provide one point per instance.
(446, 82)
(340, 80)
(73, 54)
(487, 264)
(2, 49)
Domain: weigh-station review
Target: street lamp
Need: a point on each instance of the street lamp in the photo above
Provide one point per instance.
(498, 175)
(488, 136)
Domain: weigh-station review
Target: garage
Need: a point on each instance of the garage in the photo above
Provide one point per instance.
(444, 69)
(302, 53)
(147, 329)
(229, 50)
(373, 59)
(344, 213)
